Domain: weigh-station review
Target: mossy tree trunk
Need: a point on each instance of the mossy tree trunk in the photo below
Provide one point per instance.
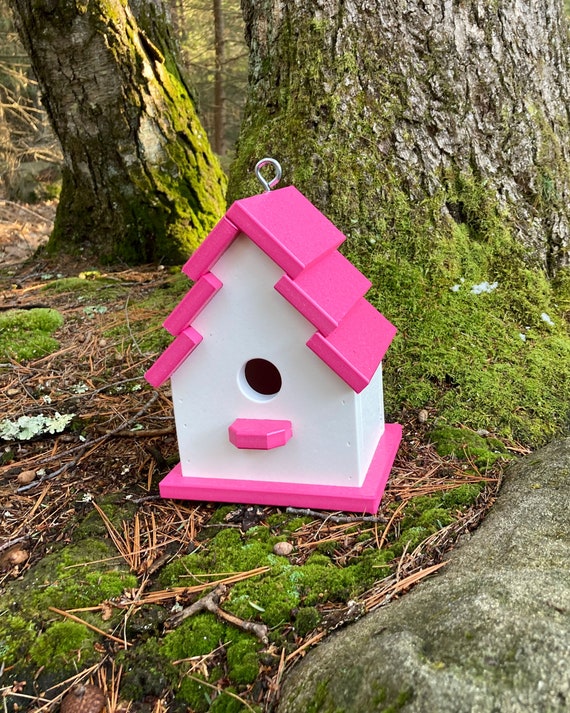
(140, 182)
(377, 108)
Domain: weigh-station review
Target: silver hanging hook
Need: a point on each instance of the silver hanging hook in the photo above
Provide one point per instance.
(268, 185)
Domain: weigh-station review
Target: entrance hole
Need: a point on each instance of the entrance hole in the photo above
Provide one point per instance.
(263, 377)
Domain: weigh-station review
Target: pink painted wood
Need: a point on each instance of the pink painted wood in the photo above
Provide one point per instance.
(325, 497)
(283, 223)
(192, 304)
(287, 227)
(259, 434)
(325, 291)
(356, 347)
(210, 250)
(173, 356)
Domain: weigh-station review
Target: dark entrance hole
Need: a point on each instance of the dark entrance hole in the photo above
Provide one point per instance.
(263, 377)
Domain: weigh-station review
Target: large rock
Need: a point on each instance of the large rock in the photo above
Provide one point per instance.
(489, 634)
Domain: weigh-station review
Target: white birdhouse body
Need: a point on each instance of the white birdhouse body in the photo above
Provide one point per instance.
(276, 366)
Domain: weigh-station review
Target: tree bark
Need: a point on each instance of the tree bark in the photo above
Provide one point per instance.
(140, 182)
(368, 103)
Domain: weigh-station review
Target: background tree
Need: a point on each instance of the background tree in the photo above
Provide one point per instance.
(436, 136)
(211, 35)
(411, 96)
(140, 182)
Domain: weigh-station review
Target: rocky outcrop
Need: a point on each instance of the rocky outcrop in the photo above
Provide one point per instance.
(490, 633)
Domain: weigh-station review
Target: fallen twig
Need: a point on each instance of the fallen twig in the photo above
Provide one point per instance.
(10, 543)
(337, 519)
(151, 433)
(211, 602)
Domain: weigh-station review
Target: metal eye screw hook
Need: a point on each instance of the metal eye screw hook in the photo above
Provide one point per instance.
(268, 185)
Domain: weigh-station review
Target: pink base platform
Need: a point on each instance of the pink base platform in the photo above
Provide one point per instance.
(324, 497)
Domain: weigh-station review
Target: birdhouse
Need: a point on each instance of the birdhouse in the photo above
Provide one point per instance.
(276, 366)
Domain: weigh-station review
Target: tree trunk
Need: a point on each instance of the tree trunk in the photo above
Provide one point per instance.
(219, 95)
(372, 104)
(140, 182)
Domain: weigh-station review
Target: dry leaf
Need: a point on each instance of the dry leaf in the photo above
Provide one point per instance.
(13, 557)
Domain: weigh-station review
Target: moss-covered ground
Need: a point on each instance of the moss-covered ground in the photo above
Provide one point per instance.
(28, 334)
(90, 600)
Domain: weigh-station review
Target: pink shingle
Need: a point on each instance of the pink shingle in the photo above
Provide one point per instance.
(210, 250)
(357, 346)
(325, 291)
(192, 303)
(172, 357)
(283, 223)
(287, 227)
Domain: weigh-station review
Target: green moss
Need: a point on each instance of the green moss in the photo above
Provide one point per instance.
(224, 703)
(146, 671)
(462, 496)
(467, 445)
(411, 537)
(260, 533)
(16, 636)
(197, 696)
(63, 644)
(67, 579)
(84, 574)
(26, 334)
(561, 288)
(328, 548)
(321, 701)
(226, 552)
(272, 598)
(221, 512)
(426, 514)
(296, 523)
(88, 284)
(194, 637)
(200, 635)
(487, 360)
(320, 583)
(383, 705)
(117, 510)
(306, 619)
(243, 661)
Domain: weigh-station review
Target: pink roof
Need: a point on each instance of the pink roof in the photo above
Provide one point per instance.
(352, 336)
(283, 223)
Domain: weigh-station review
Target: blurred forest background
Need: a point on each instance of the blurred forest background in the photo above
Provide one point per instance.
(213, 55)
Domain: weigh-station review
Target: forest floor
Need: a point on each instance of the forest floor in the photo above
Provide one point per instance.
(121, 442)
